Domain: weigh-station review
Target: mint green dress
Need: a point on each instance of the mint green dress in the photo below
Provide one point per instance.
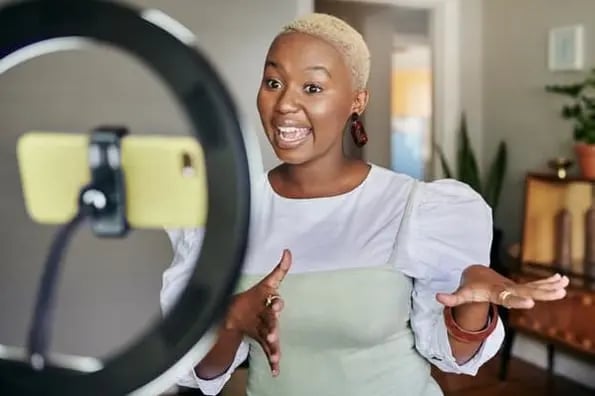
(345, 333)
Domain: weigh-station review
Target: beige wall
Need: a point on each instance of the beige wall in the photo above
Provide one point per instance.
(110, 290)
(516, 109)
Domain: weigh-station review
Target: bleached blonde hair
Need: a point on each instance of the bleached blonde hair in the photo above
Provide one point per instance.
(348, 41)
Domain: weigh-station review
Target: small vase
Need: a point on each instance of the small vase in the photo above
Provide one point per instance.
(590, 242)
(563, 240)
(586, 159)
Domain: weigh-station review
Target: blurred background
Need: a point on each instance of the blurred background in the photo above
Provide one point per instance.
(444, 72)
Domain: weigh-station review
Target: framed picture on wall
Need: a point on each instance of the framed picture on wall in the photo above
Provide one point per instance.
(566, 48)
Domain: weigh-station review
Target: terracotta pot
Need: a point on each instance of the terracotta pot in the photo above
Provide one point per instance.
(586, 159)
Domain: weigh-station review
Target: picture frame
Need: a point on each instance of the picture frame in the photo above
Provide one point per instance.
(566, 48)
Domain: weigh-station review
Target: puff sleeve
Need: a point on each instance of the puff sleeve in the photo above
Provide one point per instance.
(449, 228)
(186, 245)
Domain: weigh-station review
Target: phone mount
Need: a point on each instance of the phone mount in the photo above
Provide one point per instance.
(104, 199)
(103, 203)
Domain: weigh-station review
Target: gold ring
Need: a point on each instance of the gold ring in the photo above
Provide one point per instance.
(270, 300)
(504, 295)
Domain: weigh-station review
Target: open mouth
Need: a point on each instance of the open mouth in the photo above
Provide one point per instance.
(292, 136)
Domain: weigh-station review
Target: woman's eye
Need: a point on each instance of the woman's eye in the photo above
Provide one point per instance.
(312, 88)
(273, 84)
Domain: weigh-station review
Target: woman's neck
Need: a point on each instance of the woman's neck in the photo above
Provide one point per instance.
(318, 179)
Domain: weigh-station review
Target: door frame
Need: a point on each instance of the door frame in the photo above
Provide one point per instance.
(445, 37)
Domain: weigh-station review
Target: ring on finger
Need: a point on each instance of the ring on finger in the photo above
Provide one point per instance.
(504, 294)
(271, 299)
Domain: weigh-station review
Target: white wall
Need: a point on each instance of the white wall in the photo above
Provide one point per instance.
(109, 290)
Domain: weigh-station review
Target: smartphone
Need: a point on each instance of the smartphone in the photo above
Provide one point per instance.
(165, 178)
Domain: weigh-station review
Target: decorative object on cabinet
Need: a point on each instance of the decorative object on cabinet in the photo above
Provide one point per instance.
(560, 165)
(566, 324)
(581, 111)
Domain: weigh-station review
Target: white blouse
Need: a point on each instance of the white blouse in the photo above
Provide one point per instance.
(448, 227)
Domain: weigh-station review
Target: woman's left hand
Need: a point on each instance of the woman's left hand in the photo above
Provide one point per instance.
(482, 284)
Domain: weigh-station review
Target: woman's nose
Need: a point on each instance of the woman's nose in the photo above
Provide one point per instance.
(287, 102)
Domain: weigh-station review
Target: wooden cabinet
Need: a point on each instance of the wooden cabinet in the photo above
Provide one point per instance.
(568, 323)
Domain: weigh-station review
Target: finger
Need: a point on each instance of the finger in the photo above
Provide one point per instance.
(265, 346)
(275, 357)
(516, 302)
(264, 329)
(273, 353)
(552, 279)
(538, 294)
(462, 296)
(268, 320)
(278, 306)
(561, 283)
(273, 362)
(275, 278)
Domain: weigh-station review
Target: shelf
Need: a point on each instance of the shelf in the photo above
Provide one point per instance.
(552, 177)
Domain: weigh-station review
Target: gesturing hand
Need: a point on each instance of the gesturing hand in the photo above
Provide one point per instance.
(482, 284)
(255, 312)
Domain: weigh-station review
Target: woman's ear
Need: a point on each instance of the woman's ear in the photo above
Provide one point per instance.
(360, 101)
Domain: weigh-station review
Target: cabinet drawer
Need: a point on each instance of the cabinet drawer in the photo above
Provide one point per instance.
(569, 321)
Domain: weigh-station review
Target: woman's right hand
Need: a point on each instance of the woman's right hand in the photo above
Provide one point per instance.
(250, 314)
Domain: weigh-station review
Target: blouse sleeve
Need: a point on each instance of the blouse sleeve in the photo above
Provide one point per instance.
(449, 228)
(186, 245)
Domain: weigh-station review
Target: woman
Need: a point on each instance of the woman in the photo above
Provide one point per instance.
(374, 277)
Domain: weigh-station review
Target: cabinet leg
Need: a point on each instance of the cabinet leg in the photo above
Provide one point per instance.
(550, 360)
(551, 383)
(505, 353)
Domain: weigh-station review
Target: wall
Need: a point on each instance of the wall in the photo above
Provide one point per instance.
(109, 289)
(517, 109)
(471, 69)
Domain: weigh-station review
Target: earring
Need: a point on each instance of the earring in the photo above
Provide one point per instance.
(358, 133)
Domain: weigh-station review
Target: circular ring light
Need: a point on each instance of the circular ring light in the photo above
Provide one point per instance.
(31, 28)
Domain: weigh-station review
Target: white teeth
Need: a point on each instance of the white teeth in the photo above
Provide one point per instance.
(292, 134)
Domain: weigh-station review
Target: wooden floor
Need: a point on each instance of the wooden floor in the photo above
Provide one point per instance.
(523, 380)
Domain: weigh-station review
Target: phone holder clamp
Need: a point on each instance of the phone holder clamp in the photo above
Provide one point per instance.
(104, 198)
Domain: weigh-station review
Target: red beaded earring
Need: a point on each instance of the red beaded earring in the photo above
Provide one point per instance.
(358, 133)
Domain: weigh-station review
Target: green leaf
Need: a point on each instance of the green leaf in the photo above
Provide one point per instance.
(571, 111)
(444, 163)
(572, 90)
(496, 175)
(467, 163)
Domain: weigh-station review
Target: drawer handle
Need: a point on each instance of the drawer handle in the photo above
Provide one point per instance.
(569, 337)
(552, 331)
(536, 326)
(587, 301)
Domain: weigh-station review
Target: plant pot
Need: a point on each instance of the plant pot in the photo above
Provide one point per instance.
(586, 159)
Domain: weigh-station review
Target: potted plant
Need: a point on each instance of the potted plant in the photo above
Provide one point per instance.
(581, 111)
(467, 171)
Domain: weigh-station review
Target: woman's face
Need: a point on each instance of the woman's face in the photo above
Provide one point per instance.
(305, 98)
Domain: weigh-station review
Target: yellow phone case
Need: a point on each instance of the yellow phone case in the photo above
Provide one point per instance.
(165, 178)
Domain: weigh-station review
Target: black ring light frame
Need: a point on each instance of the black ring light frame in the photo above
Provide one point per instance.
(186, 333)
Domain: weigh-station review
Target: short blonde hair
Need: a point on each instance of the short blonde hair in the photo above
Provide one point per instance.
(340, 35)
